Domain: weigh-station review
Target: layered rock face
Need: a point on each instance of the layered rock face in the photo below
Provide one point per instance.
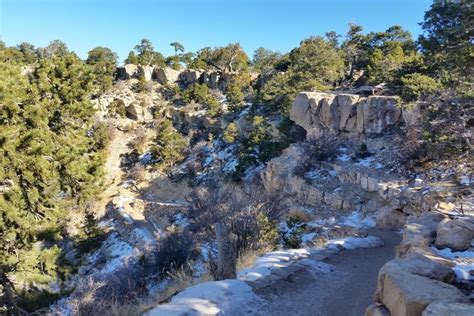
(320, 113)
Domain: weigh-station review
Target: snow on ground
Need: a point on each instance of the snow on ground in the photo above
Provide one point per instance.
(229, 297)
(355, 242)
(120, 252)
(344, 158)
(357, 220)
(463, 260)
(270, 261)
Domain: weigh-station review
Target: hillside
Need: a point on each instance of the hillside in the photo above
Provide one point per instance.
(335, 179)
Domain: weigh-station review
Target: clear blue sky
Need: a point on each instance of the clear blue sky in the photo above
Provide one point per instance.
(120, 24)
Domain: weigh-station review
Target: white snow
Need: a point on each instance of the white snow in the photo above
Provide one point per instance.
(308, 237)
(357, 220)
(366, 162)
(463, 260)
(344, 157)
(145, 159)
(355, 242)
(233, 297)
(180, 220)
(264, 265)
(465, 180)
(120, 251)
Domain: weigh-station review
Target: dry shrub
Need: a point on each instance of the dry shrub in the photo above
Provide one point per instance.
(322, 147)
(140, 142)
(138, 173)
(300, 215)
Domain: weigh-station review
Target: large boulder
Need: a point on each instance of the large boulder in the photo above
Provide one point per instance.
(189, 76)
(319, 113)
(279, 172)
(444, 308)
(456, 234)
(389, 218)
(165, 75)
(405, 293)
(127, 72)
(145, 71)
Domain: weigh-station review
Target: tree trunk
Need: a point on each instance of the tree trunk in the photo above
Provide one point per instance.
(226, 257)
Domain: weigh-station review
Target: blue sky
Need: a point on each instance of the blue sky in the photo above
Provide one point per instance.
(120, 24)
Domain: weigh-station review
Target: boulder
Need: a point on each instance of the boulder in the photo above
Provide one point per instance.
(279, 171)
(446, 308)
(376, 310)
(189, 76)
(456, 234)
(319, 113)
(405, 293)
(127, 72)
(145, 72)
(389, 218)
(165, 75)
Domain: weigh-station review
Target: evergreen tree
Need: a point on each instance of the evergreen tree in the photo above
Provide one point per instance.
(104, 65)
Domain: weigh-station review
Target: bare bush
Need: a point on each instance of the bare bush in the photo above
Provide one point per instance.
(236, 212)
(174, 250)
(139, 143)
(138, 173)
(322, 147)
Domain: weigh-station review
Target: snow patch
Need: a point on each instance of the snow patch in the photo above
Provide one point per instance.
(344, 158)
(211, 298)
(463, 260)
(357, 220)
(356, 242)
(264, 265)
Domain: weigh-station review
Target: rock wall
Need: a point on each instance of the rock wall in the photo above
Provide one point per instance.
(319, 113)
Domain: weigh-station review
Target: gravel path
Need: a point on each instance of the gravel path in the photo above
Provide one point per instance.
(346, 290)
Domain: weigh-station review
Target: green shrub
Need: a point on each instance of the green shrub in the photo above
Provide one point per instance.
(416, 86)
(169, 145)
(291, 235)
(268, 231)
(230, 133)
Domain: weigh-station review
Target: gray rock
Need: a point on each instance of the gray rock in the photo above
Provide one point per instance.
(127, 72)
(145, 72)
(165, 75)
(320, 112)
(446, 308)
(456, 234)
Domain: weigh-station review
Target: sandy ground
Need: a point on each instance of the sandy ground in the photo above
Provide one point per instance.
(345, 291)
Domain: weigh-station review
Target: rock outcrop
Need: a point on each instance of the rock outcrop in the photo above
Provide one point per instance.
(166, 75)
(127, 72)
(456, 234)
(145, 71)
(320, 113)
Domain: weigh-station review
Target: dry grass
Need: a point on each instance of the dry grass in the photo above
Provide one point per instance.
(300, 215)
(248, 258)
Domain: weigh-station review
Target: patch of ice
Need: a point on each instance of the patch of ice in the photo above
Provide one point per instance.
(264, 265)
(355, 242)
(357, 220)
(234, 297)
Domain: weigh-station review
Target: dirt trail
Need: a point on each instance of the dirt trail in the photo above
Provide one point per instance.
(345, 291)
(114, 183)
